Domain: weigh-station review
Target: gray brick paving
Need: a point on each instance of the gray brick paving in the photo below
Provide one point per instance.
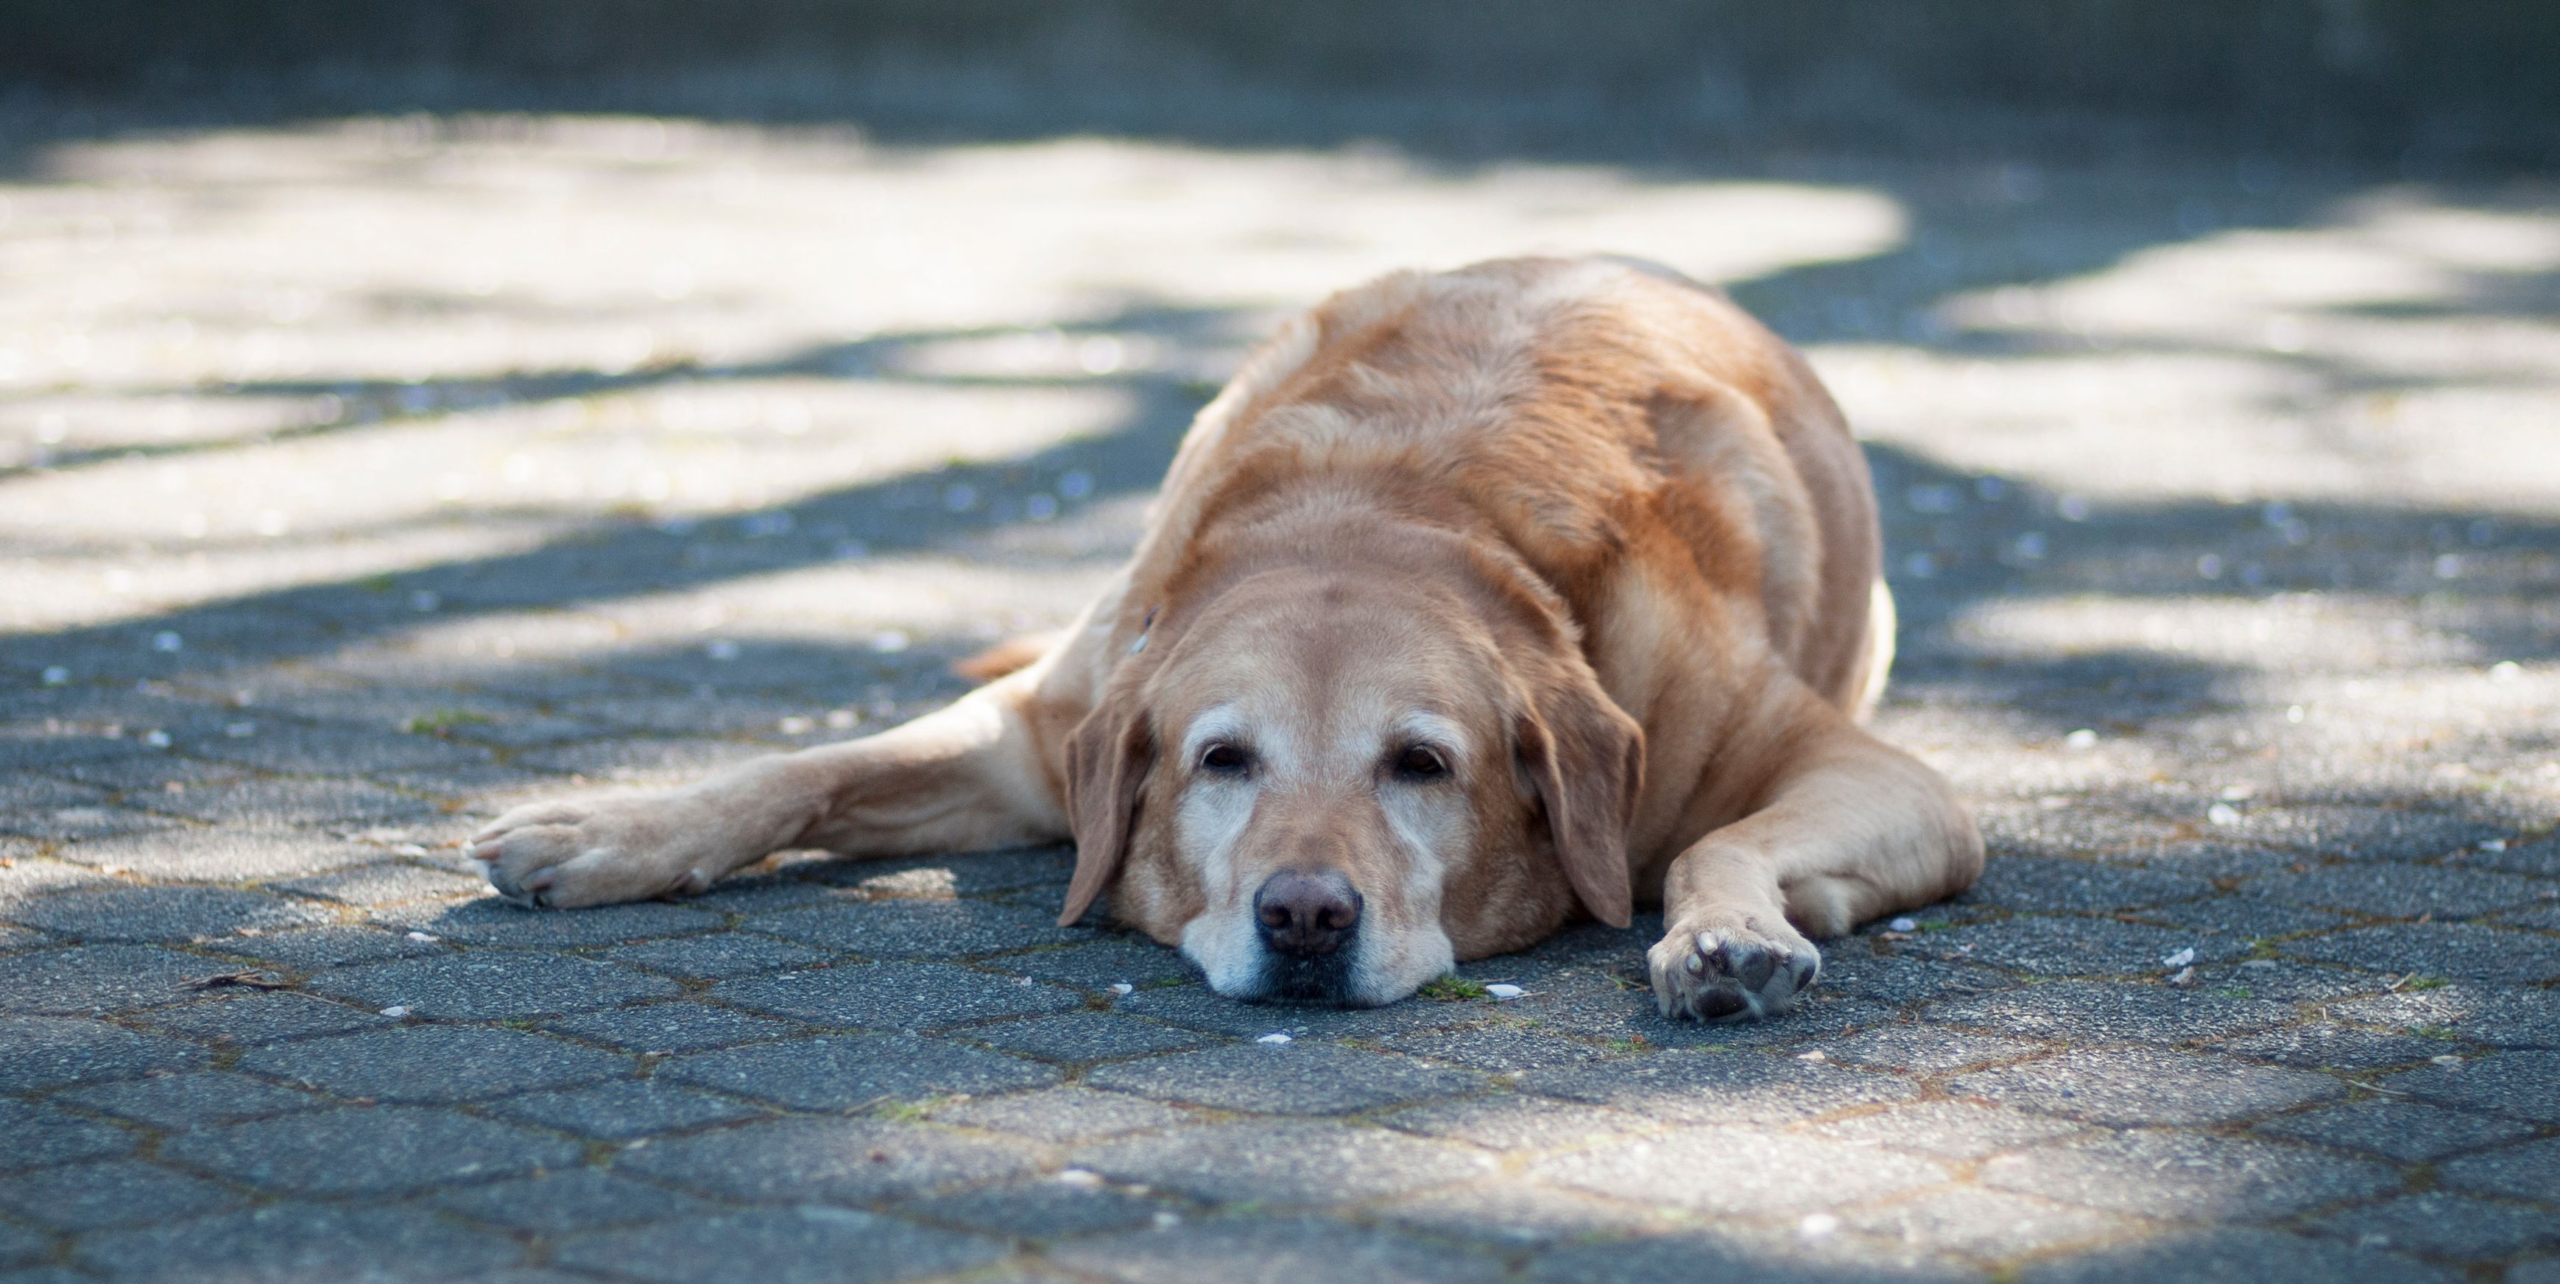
(854, 1072)
(2314, 666)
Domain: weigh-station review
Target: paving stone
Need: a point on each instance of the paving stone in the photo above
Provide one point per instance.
(389, 883)
(337, 945)
(98, 978)
(2234, 1255)
(1196, 1007)
(1718, 1087)
(2060, 946)
(1512, 1121)
(24, 876)
(1508, 1213)
(228, 854)
(2524, 1170)
(2130, 1087)
(674, 1027)
(621, 1110)
(1733, 1172)
(1498, 1047)
(836, 1160)
(716, 957)
(114, 1192)
(2544, 1270)
(2434, 1224)
(1041, 1208)
(1753, 1251)
(853, 1072)
(571, 1200)
(1922, 1050)
(2036, 884)
(2401, 891)
(261, 1016)
(806, 1245)
(492, 921)
(1284, 1162)
(2500, 1018)
(1898, 980)
(367, 1150)
(2285, 981)
(1291, 1078)
(2522, 1084)
(50, 1052)
(2089, 1012)
(42, 1134)
(918, 929)
(2369, 833)
(162, 914)
(972, 874)
(20, 1245)
(2335, 1047)
(182, 1101)
(1987, 1224)
(431, 1063)
(2185, 1176)
(308, 750)
(1952, 1129)
(2245, 918)
(488, 985)
(286, 1242)
(279, 802)
(1085, 1036)
(1102, 964)
(1274, 1252)
(2404, 1130)
(1063, 1114)
(2538, 859)
(2463, 951)
(894, 996)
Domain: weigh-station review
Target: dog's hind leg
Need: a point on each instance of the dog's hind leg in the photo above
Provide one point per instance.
(968, 776)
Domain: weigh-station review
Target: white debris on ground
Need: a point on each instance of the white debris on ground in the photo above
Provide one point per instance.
(2179, 959)
(1504, 993)
(1275, 1038)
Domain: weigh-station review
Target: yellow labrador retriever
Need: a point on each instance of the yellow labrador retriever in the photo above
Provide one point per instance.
(1476, 600)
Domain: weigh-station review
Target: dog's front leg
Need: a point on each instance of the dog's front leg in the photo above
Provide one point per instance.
(967, 776)
(1851, 828)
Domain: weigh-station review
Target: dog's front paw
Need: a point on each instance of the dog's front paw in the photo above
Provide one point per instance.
(1731, 967)
(563, 855)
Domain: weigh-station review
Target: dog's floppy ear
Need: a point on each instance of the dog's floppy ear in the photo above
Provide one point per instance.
(1585, 758)
(1108, 757)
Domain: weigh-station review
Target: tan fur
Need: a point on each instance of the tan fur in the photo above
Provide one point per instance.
(1582, 516)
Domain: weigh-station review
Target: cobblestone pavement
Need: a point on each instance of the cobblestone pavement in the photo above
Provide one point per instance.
(359, 479)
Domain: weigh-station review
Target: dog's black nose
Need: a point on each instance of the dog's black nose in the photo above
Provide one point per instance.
(1306, 915)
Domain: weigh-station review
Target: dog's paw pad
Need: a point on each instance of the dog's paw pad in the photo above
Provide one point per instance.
(1714, 975)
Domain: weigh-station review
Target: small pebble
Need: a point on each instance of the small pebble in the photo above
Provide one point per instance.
(2494, 845)
(1904, 925)
(55, 675)
(1167, 1219)
(2183, 976)
(1504, 993)
(421, 937)
(2222, 814)
(1275, 1037)
(395, 1010)
(1815, 1055)
(1817, 1225)
(1079, 1177)
(2084, 738)
(1123, 987)
(2446, 1059)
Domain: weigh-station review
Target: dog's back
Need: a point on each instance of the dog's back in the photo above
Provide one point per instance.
(1631, 433)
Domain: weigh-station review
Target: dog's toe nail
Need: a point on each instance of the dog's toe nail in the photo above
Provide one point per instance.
(1695, 964)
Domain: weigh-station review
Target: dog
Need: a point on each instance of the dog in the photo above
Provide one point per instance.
(1477, 602)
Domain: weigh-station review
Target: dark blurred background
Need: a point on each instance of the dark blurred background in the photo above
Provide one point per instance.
(2424, 84)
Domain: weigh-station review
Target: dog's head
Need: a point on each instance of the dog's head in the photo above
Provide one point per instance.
(1330, 786)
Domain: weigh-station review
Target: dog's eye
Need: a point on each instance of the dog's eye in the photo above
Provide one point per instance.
(1421, 762)
(1225, 759)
